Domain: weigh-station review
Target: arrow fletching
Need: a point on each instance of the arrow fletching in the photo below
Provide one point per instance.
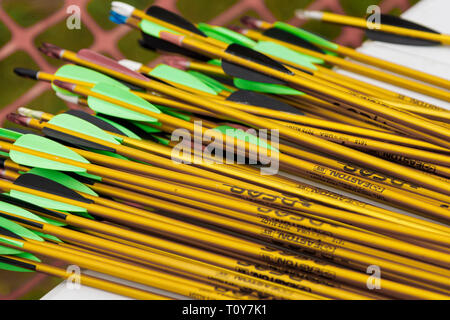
(40, 183)
(14, 230)
(391, 20)
(101, 106)
(238, 71)
(280, 34)
(9, 264)
(265, 87)
(307, 36)
(165, 72)
(211, 82)
(226, 35)
(38, 143)
(260, 100)
(30, 206)
(172, 18)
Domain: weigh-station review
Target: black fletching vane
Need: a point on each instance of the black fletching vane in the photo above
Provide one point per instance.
(94, 120)
(33, 181)
(288, 37)
(75, 141)
(153, 43)
(30, 206)
(10, 234)
(17, 263)
(387, 19)
(131, 86)
(239, 71)
(173, 18)
(130, 126)
(261, 100)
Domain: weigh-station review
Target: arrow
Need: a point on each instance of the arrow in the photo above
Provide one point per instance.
(234, 205)
(396, 99)
(116, 268)
(23, 263)
(205, 184)
(295, 136)
(236, 57)
(237, 174)
(139, 254)
(363, 87)
(407, 32)
(346, 51)
(161, 259)
(151, 256)
(327, 75)
(202, 255)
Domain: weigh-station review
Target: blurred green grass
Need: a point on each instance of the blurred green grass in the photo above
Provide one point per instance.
(27, 12)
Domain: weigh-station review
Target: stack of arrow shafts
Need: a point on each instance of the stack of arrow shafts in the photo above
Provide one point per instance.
(134, 183)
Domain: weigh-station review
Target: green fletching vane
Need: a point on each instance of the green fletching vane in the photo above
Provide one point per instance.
(162, 140)
(90, 176)
(20, 254)
(244, 136)
(73, 123)
(126, 131)
(7, 251)
(39, 143)
(44, 202)
(18, 211)
(18, 229)
(282, 52)
(173, 112)
(75, 72)
(215, 62)
(63, 179)
(111, 154)
(47, 236)
(10, 134)
(154, 29)
(84, 215)
(228, 35)
(265, 87)
(308, 36)
(146, 128)
(212, 83)
(114, 110)
(217, 36)
(4, 154)
(54, 222)
(165, 72)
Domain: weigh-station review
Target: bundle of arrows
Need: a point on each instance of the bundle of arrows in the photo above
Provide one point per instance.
(244, 167)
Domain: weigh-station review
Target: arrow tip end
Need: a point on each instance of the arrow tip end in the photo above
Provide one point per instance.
(251, 22)
(122, 8)
(18, 119)
(178, 62)
(64, 85)
(306, 14)
(51, 50)
(26, 73)
(238, 29)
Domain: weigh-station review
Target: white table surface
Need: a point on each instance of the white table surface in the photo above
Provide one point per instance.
(434, 60)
